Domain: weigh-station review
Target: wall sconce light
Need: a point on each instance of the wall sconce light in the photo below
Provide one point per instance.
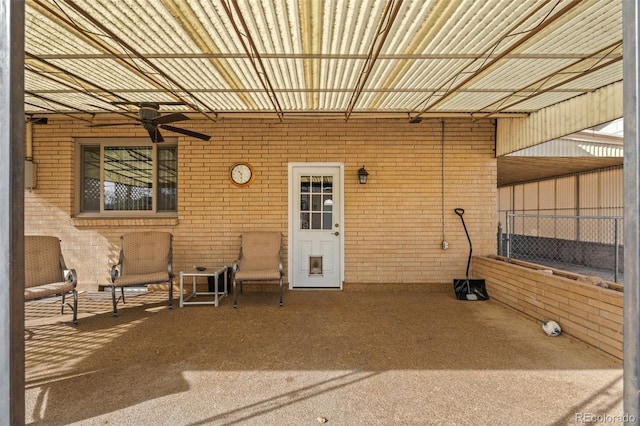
(362, 175)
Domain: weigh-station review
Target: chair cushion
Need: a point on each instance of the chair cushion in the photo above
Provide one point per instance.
(42, 260)
(140, 279)
(258, 275)
(47, 290)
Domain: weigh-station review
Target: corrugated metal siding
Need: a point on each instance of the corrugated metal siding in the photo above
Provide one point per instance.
(518, 207)
(612, 195)
(598, 193)
(513, 134)
(566, 195)
(531, 206)
(546, 203)
(588, 194)
(505, 195)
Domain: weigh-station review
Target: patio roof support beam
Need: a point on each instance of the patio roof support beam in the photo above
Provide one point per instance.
(631, 36)
(384, 28)
(254, 56)
(12, 370)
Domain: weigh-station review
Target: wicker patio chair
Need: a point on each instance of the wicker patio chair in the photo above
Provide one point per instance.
(145, 258)
(45, 272)
(260, 260)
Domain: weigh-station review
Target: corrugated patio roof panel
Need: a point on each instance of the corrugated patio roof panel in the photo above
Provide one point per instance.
(548, 98)
(609, 74)
(585, 28)
(333, 55)
(463, 101)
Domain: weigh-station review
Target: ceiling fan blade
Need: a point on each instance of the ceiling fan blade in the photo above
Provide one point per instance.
(186, 132)
(170, 118)
(155, 135)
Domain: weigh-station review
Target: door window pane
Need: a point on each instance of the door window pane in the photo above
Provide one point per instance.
(305, 184)
(316, 202)
(304, 202)
(326, 220)
(327, 183)
(304, 220)
(316, 184)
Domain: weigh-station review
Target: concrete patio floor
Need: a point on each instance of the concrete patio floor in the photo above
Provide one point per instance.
(385, 357)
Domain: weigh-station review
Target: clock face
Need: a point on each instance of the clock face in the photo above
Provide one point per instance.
(241, 174)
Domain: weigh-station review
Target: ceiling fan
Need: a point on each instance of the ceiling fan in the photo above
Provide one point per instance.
(150, 118)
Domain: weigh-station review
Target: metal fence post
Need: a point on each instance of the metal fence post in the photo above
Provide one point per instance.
(508, 235)
(499, 239)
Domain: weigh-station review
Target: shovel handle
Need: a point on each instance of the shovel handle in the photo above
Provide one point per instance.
(459, 211)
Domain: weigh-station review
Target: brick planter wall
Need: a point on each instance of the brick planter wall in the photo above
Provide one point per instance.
(585, 311)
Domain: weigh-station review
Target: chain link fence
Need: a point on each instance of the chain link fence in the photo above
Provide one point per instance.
(589, 245)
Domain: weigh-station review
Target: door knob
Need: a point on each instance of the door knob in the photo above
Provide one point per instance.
(336, 233)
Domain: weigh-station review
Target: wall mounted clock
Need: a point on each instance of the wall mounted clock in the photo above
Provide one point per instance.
(241, 174)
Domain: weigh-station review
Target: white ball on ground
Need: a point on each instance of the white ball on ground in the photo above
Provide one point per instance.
(552, 328)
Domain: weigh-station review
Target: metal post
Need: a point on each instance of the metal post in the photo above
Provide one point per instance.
(631, 207)
(499, 239)
(616, 253)
(12, 401)
(508, 236)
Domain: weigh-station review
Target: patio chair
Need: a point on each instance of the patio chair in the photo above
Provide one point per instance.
(145, 258)
(260, 260)
(45, 273)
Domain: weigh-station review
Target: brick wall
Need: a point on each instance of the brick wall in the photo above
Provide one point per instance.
(588, 312)
(393, 224)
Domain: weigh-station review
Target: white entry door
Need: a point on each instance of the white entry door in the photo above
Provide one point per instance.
(315, 225)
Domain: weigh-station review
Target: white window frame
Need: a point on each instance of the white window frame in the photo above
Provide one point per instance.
(119, 142)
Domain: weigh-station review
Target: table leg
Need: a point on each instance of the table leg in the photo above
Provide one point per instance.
(215, 289)
(181, 289)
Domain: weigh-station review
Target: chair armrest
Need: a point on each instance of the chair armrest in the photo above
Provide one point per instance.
(115, 272)
(235, 267)
(280, 269)
(71, 276)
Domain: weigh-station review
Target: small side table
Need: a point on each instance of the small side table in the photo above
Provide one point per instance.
(214, 272)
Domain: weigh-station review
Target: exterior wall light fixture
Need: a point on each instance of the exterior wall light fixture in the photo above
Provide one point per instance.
(362, 175)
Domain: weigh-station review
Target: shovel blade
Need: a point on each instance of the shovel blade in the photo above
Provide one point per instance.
(467, 289)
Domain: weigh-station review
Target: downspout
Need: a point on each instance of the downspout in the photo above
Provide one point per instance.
(29, 167)
(445, 243)
(28, 153)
